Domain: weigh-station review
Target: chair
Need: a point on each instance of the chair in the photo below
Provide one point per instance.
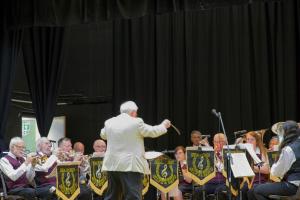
(3, 192)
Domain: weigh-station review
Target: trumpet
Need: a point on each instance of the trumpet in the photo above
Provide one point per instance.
(36, 158)
(39, 160)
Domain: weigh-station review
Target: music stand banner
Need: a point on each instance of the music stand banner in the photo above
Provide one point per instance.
(273, 156)
(200, 165)
(145, 184)
(98, 180)
(235, 183)
(164, 174)
(67, 180)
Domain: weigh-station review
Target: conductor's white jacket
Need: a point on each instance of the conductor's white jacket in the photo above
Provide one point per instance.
(125, 143)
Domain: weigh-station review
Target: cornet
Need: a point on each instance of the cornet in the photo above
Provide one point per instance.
(36, 158)
(39, 160)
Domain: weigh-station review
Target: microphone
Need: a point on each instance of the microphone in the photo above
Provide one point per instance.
(168, 151)
(214, 112)
(239, 132)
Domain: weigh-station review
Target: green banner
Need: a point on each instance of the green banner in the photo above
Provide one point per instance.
(164, 174)
(200, 165)
(67, 181)
(98, 181)
(145, 184)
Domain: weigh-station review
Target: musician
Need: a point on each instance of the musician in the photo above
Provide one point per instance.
(99, 147)
(196, 139)
(45, 186)
(287, 167)
(79, 147)
(217, 184)
(84, 166)
(65, 146)
(124, 159)
(261, 170)
(185, 182)
(17, 170)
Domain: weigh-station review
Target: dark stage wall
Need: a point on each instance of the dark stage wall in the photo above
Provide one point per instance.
(241, 60)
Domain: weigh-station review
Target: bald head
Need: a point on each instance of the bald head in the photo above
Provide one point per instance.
(99, 146)
(79, 147)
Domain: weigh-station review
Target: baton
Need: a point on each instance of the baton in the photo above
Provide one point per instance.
(176, 129)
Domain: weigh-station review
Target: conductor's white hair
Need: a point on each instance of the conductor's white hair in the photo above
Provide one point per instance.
(40, 141)
(128, 107)
(14, 141)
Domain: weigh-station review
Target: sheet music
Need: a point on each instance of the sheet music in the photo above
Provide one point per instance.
(240, 166)
(202, 148)
(207, 148)
(231, 146)
(149, 155)
(251, 151)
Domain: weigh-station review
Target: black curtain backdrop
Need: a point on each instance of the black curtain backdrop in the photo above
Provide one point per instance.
(43, 52)
(68, 12)
(10, 43)
(241, 60)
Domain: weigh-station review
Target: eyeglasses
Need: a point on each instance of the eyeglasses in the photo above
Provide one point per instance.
(219, 142)
(19, 146)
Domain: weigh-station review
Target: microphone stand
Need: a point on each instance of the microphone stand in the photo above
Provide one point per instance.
(228, 155)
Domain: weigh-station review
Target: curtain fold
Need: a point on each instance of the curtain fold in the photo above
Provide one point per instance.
(43, 52)
(10, 45)
(69, 12)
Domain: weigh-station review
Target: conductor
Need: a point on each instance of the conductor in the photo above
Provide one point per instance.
(124, 159)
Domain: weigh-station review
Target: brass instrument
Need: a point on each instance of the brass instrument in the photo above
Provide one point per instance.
(36, 158)
(204, 140)
(278, 128)
(39, 160)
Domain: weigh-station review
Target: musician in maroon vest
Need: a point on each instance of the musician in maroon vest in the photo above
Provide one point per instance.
(261, 171)
(18, 171)
(45, 186)
(65, 147)
(217, 184)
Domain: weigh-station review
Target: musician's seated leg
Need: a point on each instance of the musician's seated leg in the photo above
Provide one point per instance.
(85, 192)
(43, 192)
(185, 188)
(244, 191)
(174, 193)
(28, 193)
(250, 193)
(262, 191)
(221, 191)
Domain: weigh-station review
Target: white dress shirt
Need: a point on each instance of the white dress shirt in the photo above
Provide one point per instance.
(125, 143)
(15, 174)
(284, 163)
(47, 165)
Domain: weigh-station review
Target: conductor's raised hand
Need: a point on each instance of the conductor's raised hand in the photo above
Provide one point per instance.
(166, 123)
